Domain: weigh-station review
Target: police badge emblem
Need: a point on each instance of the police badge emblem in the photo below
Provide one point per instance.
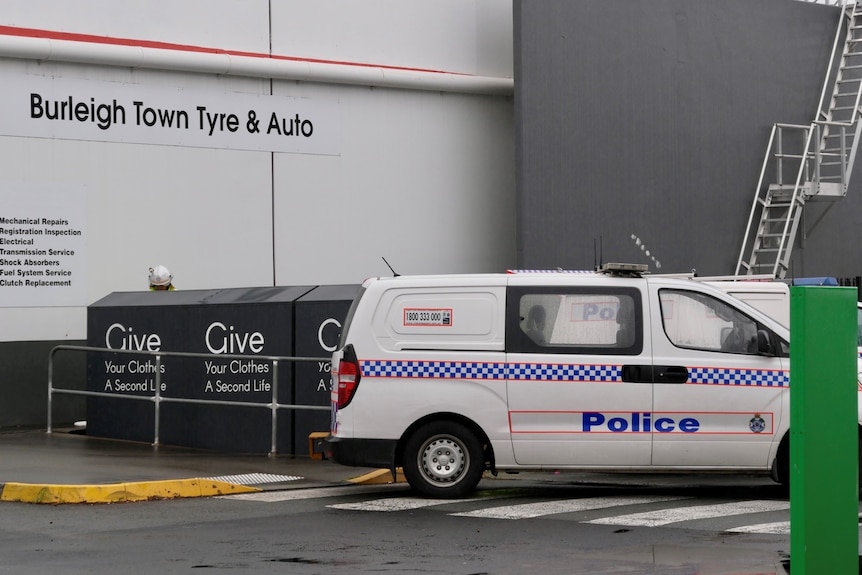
(757, 423)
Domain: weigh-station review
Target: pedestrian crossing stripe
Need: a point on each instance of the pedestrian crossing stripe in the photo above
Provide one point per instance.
(531, 510)
(662, 517)
(776, 528)
(255, 478)
(396, 504)
(295, 494)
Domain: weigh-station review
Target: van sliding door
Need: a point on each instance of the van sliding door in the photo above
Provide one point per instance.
(579, 371)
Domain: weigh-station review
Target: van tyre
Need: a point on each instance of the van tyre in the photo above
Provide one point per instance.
(781, 472)
(443, 459)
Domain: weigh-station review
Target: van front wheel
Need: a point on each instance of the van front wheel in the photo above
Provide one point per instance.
(443, 459)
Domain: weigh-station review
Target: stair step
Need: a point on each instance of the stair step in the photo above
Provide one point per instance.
(779, 198)
(784, 193)
(777, 188)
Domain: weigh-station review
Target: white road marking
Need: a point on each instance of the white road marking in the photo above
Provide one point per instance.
(528, 510)
(293, 494)
(778, 528)
(395, 504)
(255, 478)
(666, 516)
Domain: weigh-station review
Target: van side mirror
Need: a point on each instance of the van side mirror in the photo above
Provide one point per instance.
(764, 343)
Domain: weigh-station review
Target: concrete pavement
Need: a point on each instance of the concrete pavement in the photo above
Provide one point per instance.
(67, 467)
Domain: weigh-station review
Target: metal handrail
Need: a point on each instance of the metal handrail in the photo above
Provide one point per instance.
(832, 63)
(754, 206)
(157, 398)
(810, 159)
(815, 154)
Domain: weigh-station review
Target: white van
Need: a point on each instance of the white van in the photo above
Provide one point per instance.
(448, 376)
(770, 297)
(773, 299)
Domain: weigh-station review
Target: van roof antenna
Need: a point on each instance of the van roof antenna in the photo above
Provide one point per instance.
(597, 254)
(394, 273)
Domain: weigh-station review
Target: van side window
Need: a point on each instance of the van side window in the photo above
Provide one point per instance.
(575, 320)
(698, 321)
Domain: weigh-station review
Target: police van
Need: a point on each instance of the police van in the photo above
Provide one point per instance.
(773, 298)
(448, 376)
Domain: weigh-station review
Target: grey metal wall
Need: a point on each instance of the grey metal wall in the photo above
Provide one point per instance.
(24, 368)
(651, 119)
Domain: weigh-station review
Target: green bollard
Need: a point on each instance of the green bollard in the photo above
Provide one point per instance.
(824, 436)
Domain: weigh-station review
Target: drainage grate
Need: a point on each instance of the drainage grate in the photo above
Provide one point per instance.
(256, 478)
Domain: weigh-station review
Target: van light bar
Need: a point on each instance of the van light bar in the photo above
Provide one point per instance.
(620, 269)
(554, 271)
(617, 269)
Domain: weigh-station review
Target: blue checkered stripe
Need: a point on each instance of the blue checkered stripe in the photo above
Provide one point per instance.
(434, 369)
(492, 371)
(564, 372)
(743, 377)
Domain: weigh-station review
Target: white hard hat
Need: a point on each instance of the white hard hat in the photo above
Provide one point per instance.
(160, 276)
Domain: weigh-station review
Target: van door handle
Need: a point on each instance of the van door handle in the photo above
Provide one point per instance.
(637, 373)
(670, 373)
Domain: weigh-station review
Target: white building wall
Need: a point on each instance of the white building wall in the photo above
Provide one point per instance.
(424, 177)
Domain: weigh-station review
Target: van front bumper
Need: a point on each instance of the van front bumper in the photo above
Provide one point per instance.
(362, 452)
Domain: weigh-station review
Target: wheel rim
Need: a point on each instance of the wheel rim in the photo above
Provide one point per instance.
(443, 460)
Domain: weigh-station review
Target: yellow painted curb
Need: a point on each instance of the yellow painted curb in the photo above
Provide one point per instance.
(379, 476)
(120, 492)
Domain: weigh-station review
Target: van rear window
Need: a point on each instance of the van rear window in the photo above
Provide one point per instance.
(342, 339)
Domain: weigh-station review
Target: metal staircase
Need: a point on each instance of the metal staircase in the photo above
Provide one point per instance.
(807, 163)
